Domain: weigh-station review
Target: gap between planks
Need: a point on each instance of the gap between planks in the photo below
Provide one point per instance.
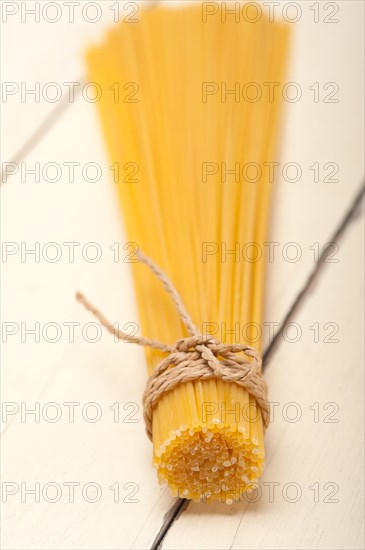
(42, 130)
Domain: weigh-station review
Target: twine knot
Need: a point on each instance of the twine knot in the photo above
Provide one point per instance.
(196, 357)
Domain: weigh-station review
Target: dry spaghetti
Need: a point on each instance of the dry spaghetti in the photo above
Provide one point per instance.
(183, 133)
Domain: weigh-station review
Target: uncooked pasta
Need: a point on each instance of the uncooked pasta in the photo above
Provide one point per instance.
(190, 118)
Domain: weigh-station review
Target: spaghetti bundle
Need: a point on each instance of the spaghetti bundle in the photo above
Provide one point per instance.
(187, 121)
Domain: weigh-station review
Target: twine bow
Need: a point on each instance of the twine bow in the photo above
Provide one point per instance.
(196, 357)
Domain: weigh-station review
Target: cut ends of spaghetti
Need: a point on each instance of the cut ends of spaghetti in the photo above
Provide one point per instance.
(214, 451)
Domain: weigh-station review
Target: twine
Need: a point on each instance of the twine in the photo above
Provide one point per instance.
(196, 357)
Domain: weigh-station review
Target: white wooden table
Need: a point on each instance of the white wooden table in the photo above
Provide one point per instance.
(76, 472)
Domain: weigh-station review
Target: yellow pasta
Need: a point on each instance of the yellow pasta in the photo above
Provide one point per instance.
(179, 111)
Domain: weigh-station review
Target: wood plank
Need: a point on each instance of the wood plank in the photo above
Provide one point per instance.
(43, 43)
(305, 213)
(105, 452)
(319, 458)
